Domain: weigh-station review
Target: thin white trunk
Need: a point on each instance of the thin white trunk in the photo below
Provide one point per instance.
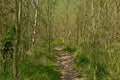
(35, 24)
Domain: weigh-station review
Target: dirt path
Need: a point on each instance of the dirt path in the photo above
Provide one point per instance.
(65, 62)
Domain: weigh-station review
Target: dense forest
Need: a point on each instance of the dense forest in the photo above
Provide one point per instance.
(34, 34)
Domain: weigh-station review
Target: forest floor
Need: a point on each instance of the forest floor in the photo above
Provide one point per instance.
(65, 62)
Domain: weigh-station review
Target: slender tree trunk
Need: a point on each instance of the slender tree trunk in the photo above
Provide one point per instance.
(49, 25)
(114, 25)
(35, 23)
(20, 27)
(17, 40)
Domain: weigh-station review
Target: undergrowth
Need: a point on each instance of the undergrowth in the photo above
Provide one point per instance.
(37, 64)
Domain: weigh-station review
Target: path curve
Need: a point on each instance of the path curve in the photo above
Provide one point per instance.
(65, 62)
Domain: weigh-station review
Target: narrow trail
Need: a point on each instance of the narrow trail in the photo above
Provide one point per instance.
(65, 62)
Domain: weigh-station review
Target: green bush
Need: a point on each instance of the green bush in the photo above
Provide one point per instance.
(82, 61)
(69, 49)
(101, 71)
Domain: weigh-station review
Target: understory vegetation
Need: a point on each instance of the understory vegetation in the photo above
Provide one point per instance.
(96, 63)
(37, 64)
(87, 29)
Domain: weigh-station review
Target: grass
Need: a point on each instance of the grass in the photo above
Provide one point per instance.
(91, 63)
(32, 71)
(38, 64)
(98, 63)
(69, 49)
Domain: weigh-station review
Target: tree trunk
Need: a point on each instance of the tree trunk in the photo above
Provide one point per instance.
(17, 40)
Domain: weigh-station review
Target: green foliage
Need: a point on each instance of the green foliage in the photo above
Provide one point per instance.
(32, 68)
(69, 49)
(57, 42)
(6, 46)
(38, 71)
(41, 67)
(89, 60)
(7, 43)
(7, 75)
(101, 71)
(82, 61)
(94, 24)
